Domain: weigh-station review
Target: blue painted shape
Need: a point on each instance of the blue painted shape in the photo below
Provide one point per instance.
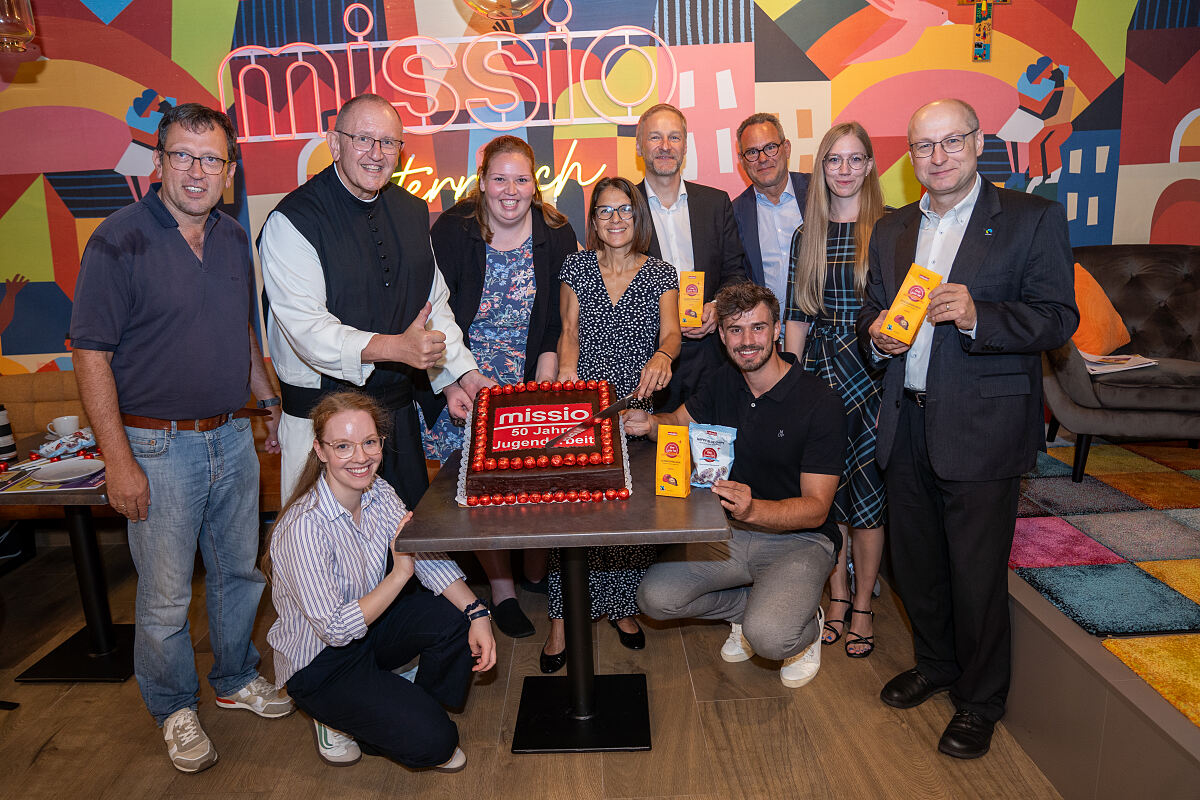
(1088, 183)
(41, 319)
(106, 10)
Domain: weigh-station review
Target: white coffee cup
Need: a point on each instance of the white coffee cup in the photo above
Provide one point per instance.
(62, 426)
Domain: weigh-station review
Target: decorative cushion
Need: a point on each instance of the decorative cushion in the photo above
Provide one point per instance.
(1101, 329)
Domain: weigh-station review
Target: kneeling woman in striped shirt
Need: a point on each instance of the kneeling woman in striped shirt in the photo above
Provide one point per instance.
(344, 624)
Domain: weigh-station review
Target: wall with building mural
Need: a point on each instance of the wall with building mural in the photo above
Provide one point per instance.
(1095, 103)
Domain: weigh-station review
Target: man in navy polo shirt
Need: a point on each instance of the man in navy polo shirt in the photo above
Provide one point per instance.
(767, 579)
(165, 359)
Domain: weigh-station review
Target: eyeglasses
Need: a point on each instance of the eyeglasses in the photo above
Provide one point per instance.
(606, 212)
(951, 144)
(371, 446)
(363, 143)
(857, 161)
(182, 161)
(768, 150)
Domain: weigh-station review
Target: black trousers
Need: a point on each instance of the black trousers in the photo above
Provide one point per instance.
(352, 689)
(950, 543)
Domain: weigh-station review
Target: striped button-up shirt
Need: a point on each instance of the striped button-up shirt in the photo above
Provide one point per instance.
(322, 563)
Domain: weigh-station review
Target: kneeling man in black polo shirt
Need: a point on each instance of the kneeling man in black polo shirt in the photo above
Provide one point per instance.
(767, 579)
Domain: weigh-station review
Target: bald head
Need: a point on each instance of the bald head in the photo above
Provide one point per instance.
(970, 118)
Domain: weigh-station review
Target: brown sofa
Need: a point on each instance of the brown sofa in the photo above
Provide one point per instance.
(33, 399)
(1156, 290)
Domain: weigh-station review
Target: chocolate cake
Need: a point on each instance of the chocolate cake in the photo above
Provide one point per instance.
(505, 460)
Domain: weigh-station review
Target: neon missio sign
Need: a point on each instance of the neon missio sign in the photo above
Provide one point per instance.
(562, 81)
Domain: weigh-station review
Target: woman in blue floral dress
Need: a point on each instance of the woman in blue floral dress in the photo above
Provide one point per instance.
(825, 291)
(500, 250)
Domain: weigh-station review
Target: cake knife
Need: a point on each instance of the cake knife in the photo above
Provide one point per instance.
(605, 413)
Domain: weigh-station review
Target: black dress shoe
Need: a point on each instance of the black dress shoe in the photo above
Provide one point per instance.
(511, 620)
(969, 735)
(635, 640)
(552, 663)
(909, 689)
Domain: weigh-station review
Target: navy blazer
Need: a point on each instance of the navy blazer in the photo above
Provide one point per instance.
(745, 213)
(983, 413)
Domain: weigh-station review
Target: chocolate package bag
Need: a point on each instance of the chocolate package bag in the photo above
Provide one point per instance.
(712, 453)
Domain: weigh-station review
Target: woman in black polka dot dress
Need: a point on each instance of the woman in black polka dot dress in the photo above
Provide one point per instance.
(620, 316)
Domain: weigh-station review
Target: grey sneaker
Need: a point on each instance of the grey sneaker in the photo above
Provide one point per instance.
(736, 648)
(801, 668)
(334, 747)
(188, 746)
(261, 697)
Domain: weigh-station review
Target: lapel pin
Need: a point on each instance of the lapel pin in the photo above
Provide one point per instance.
(987, 231)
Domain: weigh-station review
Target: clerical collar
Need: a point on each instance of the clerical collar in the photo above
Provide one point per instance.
(337, 171)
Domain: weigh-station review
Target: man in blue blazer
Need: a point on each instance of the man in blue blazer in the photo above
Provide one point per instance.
(961, 414)
(772, 207)
(693, 230)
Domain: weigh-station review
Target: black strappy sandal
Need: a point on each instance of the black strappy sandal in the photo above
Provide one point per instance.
(844, 619)
(854, 638)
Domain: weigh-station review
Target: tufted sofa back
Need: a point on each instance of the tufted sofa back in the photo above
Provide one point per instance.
(1156, 289)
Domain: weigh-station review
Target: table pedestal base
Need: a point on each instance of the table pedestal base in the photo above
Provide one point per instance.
(545, 723)
(72, 661)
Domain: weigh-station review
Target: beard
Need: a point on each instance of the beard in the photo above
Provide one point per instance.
(764, 355)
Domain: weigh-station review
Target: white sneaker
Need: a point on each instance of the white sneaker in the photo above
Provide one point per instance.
(736, 648)
(261, 697)
(456, 762)
(188, 746)
(801, 668)
(334, 747)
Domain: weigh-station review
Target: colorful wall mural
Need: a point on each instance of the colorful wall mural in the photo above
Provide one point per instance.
(1094, 103)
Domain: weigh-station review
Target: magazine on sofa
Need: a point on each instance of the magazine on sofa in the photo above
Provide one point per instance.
(1102, 365)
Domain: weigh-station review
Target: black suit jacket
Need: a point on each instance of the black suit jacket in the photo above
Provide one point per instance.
(717, 252)
(745, 213)
(983, 417)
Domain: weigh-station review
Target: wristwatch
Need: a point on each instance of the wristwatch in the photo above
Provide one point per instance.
(270, 401)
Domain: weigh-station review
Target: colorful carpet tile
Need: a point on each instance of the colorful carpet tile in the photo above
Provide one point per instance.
(1158, 490)
(1114, 599)
(1169, 664)
(1188, 516)
(1061, 496)
(1141, 535)
(1108, 459)
(1054, 542)
(1176, 455)
(1183, 575)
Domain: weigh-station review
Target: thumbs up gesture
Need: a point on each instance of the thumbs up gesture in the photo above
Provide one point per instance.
(419, 347)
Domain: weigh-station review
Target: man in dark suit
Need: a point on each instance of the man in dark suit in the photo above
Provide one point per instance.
(772, 207)
(961, 415)
(693, 230)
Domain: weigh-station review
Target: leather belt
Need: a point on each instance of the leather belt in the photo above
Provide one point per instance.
(201, 425)
(916, 397)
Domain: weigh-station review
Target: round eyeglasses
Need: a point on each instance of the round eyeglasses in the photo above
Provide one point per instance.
(857, 161)
(769, 150)
(371, 446)
(363, 143)
(212, 165)
(606, 212)
(951, 144)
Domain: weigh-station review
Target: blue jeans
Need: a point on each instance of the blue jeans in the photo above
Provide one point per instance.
(203, 491)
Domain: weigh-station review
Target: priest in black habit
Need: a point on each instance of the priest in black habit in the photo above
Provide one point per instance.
(356, 300)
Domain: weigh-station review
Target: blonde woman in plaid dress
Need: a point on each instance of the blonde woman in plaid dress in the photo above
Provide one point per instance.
(825, 289)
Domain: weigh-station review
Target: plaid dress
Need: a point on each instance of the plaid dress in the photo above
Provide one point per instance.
(831, 353)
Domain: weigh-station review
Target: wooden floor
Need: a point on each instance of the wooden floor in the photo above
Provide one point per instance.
(720, 730)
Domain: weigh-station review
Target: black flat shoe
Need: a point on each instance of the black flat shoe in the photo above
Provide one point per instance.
(511, 620)
(909, 689)
(635, 640)
(552, 663)
(969, 735)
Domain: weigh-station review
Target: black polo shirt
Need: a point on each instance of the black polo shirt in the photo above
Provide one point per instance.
(175, 324)
(797, 426)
